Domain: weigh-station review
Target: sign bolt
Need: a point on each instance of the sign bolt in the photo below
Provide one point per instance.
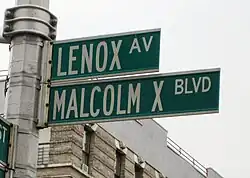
(9, 14)
(53, 22)
(7, 28)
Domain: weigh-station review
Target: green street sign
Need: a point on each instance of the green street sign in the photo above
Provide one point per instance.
(109, 55)
(141, 97)
(4, 143)
(2, 172)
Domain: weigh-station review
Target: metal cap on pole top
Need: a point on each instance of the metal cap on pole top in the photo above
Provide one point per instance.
(29, 19)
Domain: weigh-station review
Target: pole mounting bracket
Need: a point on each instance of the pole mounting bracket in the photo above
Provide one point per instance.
(29, 19)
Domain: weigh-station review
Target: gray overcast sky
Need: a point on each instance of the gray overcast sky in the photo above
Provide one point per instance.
(196, 34)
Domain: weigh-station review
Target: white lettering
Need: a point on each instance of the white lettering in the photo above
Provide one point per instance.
(59, 64)
(87, 57)
(186, 87)
(2, 133)
(179, 86)
(72, 104)
(157, 101)
(134, 96)
(92, 113)
(203, 84)
(105, 56)
(147, 46)
(196, 85)
(59, 104)
(119, 111)
(135, 45)
(105, 100)
(82, 114)
(71, 59)
(116, 57)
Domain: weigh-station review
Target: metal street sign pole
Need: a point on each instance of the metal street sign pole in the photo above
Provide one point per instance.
(2, 39)
(26, 27)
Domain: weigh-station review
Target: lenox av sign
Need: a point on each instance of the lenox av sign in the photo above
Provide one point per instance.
(116, 54)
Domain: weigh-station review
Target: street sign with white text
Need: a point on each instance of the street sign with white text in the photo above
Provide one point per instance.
(141, 97)
(4, 143)
(2, 172)
(107, 55)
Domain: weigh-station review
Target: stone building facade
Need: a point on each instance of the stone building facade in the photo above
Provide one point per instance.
(90, 151)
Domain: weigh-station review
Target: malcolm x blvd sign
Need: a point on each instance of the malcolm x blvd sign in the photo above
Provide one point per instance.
(116, 54)
(193, 92)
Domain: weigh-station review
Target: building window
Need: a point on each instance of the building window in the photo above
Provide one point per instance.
(120, 158)
(86, 146)
(138, 171)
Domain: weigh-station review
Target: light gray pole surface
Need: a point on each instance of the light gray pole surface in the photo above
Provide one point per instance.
(2, 40)
(26, 31)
